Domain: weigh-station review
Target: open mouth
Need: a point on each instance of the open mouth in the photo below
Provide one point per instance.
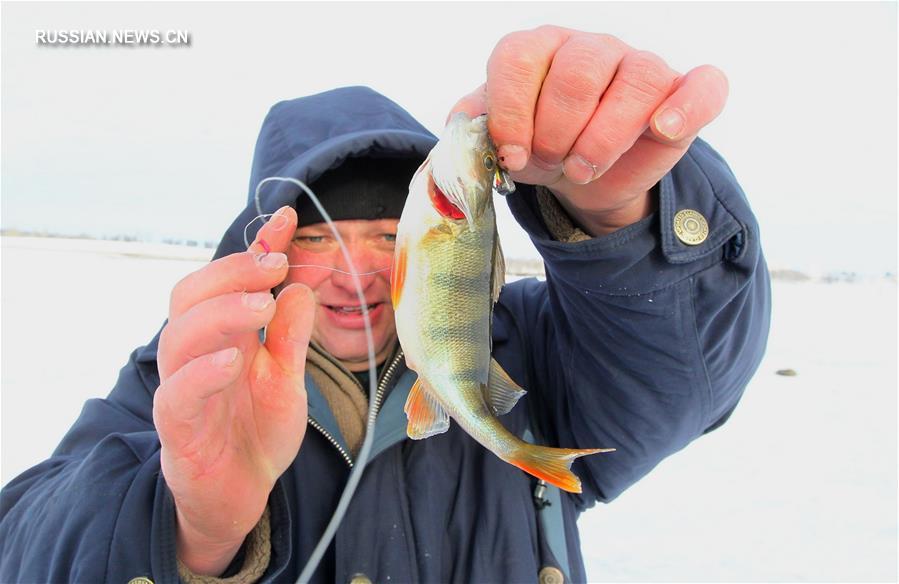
(356, 309)
(350, 316)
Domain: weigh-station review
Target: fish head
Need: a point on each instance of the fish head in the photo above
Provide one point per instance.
(465, 170)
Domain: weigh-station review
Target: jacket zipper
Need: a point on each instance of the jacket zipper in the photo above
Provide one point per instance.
(388, 375)
(379, 395)
(332, 440)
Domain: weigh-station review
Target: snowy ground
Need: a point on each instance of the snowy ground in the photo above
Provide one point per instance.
(800, 485)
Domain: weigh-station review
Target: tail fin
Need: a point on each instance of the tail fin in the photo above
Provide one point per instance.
(552, 464)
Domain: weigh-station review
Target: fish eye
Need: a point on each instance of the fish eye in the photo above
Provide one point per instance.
(489, 162)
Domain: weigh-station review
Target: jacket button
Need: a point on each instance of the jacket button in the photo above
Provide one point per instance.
(360, 579)
(140, 580)
(690, 227)
(551, 575)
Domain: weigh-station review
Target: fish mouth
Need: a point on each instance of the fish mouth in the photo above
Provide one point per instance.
(503, 184)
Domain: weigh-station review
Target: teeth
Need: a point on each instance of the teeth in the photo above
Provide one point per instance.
(350, 308)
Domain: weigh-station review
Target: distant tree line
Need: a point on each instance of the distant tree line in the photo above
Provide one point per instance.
(520, 267)
(118, 237)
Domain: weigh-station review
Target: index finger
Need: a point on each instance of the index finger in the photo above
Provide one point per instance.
(276, 233)
(240, 272)
(473, 104)
(515, 73)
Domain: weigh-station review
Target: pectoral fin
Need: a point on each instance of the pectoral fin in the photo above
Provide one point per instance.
(501, 393)
(425, 414)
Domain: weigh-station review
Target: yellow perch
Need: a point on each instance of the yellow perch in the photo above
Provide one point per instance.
(447, 274)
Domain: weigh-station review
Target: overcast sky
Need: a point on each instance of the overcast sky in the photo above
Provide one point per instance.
(157, 141)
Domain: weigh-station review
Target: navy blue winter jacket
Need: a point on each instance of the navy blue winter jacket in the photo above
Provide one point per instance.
(635, 341)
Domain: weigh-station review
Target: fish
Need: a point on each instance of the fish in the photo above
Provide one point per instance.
(447, 274)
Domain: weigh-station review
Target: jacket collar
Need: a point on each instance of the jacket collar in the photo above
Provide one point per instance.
(390, 426)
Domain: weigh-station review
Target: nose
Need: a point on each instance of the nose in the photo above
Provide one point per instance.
(364, 265)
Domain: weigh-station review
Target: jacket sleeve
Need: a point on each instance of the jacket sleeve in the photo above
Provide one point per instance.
(638, 341)
(97, 510)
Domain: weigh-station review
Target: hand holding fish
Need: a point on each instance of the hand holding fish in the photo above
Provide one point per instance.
(230, 410)
(593, 119)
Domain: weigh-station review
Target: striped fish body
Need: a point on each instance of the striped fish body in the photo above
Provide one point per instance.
(443, 317)
(448, 270)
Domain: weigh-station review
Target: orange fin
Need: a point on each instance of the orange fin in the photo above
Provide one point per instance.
(426, 416)
(553, 465)
(398, 276)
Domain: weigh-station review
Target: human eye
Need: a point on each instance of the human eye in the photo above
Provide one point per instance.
(383, 241)
(310, 238)
(312, 241)
(388, 241)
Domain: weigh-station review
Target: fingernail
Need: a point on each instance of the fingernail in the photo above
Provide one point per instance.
(670, 123)
(257, 301)
(272, 261)
(225, 357)
(512, 157)
(578, 170)
(279, 219)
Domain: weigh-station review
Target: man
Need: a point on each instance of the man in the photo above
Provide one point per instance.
(652, 319)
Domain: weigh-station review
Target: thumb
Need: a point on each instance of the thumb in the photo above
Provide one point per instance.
(288, 333)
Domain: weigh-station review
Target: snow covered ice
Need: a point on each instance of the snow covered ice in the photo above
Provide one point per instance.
(799, 485)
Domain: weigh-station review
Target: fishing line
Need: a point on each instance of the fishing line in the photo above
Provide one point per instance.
(338, 271)
(362, 459)
(330, 268)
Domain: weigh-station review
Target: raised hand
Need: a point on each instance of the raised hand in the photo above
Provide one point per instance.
(593, 119)
(230, 410)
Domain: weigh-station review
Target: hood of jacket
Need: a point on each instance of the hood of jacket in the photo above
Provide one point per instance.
(305, 137)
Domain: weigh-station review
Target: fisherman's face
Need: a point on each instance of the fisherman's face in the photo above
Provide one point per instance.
(339, 324)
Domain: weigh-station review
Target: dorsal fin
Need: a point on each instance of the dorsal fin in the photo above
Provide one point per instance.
(499, 269)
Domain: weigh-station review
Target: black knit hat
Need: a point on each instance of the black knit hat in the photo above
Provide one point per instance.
(360, 188)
